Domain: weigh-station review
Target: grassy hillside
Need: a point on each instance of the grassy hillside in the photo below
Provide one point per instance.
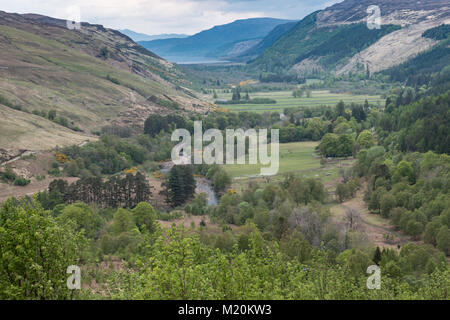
(32, 132)
(91, 77)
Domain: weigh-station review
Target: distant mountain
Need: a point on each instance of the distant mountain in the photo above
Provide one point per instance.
(91, 77)
(217, 42)
(338, 40)
(267, 42)
(136, 36)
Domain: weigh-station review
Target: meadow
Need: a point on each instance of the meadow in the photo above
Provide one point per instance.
(286, 100)
(298, 157)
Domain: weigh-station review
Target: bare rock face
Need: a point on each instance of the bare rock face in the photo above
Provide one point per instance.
(414, 16)
(400, 12)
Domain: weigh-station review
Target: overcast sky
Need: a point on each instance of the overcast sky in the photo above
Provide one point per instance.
(166, 16)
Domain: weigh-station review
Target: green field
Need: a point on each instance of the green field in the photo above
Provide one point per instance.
(296, 157)
(286, 100)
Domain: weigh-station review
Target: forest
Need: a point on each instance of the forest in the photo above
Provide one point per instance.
(288, 245)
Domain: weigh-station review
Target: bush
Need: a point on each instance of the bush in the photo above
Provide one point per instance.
(8, 175)
(21, 182)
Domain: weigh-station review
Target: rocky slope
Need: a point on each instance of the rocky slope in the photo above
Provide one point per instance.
(297, 49)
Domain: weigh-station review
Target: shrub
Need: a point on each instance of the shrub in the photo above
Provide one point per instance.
(21, 182)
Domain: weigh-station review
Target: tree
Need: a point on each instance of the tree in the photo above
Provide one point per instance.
(443, 239)
(104, 53)
(342, 192)
(144, 216)
(353, 218)
(329, 145)
(180, 185)
(431, 231)
(377, 256)
(52, 115)
(340, 109)
(35, 252)
(387, 203)
(83, 217)
(122, 221)
(365, 140)
(345, 145)
(404, 169)
(414, 228)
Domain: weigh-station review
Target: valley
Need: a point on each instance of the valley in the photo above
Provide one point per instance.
(92, 120)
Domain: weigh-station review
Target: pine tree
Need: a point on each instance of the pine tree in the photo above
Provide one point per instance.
(377, 256)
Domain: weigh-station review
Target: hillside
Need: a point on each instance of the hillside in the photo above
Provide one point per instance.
(137, 36)
(267, 42)
(217, 42)
(337, 39)
(90, 78)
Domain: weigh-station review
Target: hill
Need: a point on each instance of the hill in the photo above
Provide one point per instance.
(136, 36)
(267, 42)
(217, 42)
(58, 80)
(337, 40)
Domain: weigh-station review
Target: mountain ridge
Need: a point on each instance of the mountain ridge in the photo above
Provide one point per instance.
(389, 50)
(137, 36)
(207, 42)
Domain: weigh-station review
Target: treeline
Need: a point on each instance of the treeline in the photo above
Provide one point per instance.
(115, 192)
(438, 33)
(420, 126)
(338, 127)
(109, 155)
(250, 101)
(156, 123)
(421, 69)
(275, 207)
(410, 189)
(281, 77)
(346, 42)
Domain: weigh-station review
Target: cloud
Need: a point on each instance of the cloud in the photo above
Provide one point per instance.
(167, 16)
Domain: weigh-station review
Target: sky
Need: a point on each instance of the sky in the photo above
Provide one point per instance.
(165, 16)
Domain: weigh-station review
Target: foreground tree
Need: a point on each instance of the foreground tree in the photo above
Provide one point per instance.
(35, 252)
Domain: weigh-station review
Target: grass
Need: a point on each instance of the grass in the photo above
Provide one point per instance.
(297, 157)
(286, 100)
(28, 131)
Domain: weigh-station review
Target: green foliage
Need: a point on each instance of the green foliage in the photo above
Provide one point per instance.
(179, 186)
(83, 218)
(438, 33)
(333, 145)
(107, 156)
(182, 267)
(8, 175)
(36, 252)
(365, 140)
(123, 221)
(155, 123)
(19, 181)
(144, 217)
